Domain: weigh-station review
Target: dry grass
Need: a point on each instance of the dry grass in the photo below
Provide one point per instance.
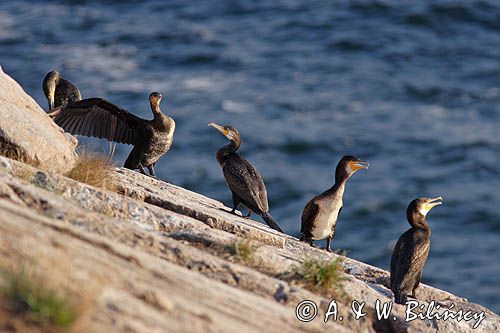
(322, 277)
(13, 152)
(30, 305)
(93, 170)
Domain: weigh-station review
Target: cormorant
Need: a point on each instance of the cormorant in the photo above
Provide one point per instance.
(242, 178)
(411, 250)
(59, 91)
(321, 213)
(99, 118)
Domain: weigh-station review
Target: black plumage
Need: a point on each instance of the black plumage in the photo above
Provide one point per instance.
(59, 91)
(321, 213)
(242, 178)
(96, 117)
(411, 250)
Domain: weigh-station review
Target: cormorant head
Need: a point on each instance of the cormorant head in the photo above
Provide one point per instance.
(49, 86)
(347, 166)
(229, 132)
(155, 98)
(418, 208)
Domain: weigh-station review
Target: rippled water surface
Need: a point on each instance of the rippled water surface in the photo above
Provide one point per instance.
(414, 89)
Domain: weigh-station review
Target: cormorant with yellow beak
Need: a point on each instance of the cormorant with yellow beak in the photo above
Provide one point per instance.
(320, 215)
(243, 179)
(411, 250)
(99, 118)
(59, 91)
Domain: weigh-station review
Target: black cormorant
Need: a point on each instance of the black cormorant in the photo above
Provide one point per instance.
(243, 179)
(59, 91)
(99, 118)
(321, 213)
(411, 250)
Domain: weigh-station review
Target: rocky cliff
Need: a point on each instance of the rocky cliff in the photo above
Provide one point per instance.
(148, 256)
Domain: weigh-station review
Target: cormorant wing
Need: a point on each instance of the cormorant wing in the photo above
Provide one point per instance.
(99, 118)
(308, 216)
(407, 260)
(244, 180)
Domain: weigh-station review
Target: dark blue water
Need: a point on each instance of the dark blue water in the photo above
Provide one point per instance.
(413, 88)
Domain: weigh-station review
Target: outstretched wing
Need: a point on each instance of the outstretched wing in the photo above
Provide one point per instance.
(99, 118)
(244, 180)
(308, 216)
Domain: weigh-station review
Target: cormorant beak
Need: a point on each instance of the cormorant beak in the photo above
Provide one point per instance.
(51, 100)
(219, 128)
(357, 165)
(432, 203)
(155, 99)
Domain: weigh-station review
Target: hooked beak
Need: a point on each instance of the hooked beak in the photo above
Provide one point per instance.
(433, 202)
(355, 166)
(51, 101)
(219, 128)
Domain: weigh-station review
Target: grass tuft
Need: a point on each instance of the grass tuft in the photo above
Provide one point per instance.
(324, 277)
(26, 296)
(93, 170)
(241, 249)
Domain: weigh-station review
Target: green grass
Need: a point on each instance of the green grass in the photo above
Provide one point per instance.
(241, 249)
(323, 277)
(28, 297)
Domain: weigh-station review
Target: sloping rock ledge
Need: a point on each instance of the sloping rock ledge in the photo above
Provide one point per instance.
(152, 259)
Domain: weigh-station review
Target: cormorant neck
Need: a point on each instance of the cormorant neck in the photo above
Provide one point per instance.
(339, 183)
(340, 179)
(156, 109)
(227, 150)
(419, 222)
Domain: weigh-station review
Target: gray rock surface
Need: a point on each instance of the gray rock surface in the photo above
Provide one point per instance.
(27, 133)
(158, 254)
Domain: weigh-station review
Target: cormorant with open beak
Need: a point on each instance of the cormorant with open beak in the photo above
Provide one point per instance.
(99, 118)
(411, 250)
(320, 215)
(243, 180)
(59, 91)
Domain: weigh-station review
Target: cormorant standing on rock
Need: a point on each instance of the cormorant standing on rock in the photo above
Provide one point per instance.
(243, 180)
(321, 213)
(59, 91)
(99, 118)
(411, 250)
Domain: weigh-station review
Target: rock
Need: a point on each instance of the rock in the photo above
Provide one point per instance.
(161, 267)
(154, 257)
(28, 134)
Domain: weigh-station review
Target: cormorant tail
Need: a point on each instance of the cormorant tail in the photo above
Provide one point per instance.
(271, 221)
